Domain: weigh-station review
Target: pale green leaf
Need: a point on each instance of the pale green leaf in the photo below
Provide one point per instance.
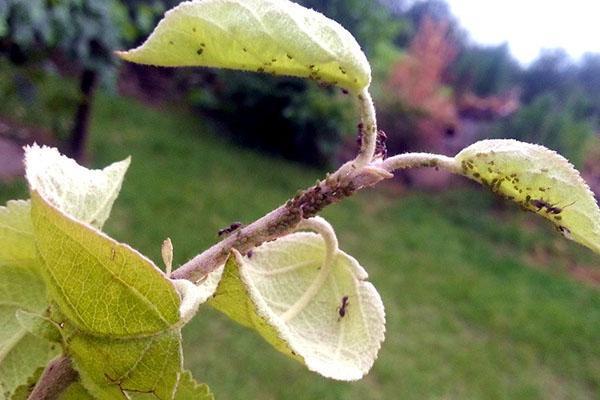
(23, 391)
(191, 297)
(16, 233)
(21, 353)
(266, 292)
(110, 367)
(75, 391)
(538, 179)
(102, 286)
(189, 389)
(84, 194)
(273, 36)
(39, 325)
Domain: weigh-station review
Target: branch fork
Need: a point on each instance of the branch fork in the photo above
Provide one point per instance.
(366, 170)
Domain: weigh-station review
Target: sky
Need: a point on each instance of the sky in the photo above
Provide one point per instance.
(528, 26)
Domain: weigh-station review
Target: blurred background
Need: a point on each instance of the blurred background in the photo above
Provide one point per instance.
(483, 301)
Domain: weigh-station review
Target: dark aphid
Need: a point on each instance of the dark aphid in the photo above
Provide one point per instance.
(249, 254)
(343, 308)
(200, 51)
(229, 230)
(565, 232)
(361, 131)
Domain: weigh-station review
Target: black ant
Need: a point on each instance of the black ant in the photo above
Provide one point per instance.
(343, 308)
(550, 208)
(229, 230)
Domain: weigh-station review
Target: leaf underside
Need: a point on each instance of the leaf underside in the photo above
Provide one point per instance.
(84, 194)
(271, 36)
(257, 292)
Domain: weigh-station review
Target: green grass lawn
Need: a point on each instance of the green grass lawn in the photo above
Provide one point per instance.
(467, 317)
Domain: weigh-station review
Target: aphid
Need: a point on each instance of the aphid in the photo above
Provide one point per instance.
(343, 308)
(566, 232)
(229, 230)
(361, 131)
(249, 254)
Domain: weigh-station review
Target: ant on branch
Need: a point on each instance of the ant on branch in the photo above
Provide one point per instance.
(230, 229)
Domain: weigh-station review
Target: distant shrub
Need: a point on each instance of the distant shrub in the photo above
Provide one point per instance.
(552, 123)
(290, 117)
(283, 116)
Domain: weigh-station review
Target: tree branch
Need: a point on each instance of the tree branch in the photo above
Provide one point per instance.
(307, 204)
(57, 376)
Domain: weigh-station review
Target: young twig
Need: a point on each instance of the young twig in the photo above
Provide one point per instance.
(286, 218)
(368, 138)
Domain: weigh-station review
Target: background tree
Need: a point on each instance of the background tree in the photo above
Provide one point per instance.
(77, 36)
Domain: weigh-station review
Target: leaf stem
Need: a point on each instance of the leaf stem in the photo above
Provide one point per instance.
(412, 160)
(368, 138)
(57, 376)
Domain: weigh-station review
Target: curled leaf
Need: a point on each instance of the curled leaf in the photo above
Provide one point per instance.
(337, 332)
(84, 194)
(272, 36)
(538, 179)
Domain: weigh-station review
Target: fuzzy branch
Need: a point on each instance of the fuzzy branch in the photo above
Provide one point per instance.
(57, 376)
(306, 204)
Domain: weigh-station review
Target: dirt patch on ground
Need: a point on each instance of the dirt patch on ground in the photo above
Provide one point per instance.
(13, 136)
